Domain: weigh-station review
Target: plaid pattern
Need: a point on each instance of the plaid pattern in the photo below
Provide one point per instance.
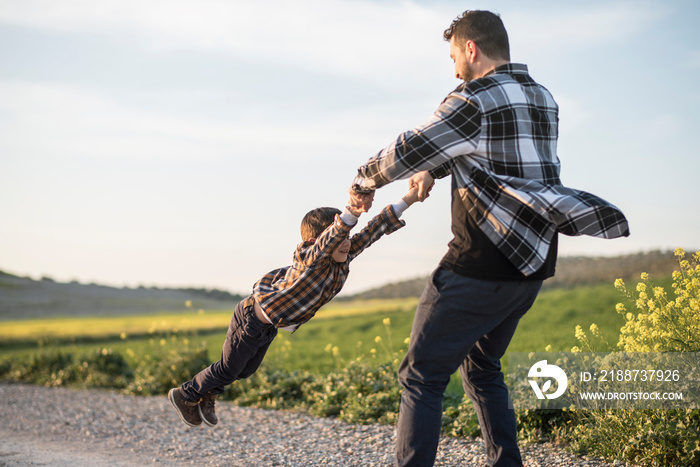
(293, 294)
(497, 136)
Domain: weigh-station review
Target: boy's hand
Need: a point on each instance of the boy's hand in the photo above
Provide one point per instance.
(424, 182)
(360, 202)
(412, 196)
(354, 210)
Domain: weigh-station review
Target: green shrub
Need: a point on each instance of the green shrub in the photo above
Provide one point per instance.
(660, 324)
(459, 418)
(654, 438)
(103, 369)
(161, 370)
(47, 368)
(5, 368)
(100, 368)
(356, 393)
(371, 394)
(270, 389)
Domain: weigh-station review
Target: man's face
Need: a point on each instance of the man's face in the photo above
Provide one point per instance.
(463, 69)
(340, 254)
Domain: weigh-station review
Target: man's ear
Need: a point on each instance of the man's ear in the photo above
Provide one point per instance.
(471, 50)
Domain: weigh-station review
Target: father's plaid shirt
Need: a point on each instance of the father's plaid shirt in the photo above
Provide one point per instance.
(497, 136)
(292, 295)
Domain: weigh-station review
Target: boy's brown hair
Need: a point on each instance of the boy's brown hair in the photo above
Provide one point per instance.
(316, 221)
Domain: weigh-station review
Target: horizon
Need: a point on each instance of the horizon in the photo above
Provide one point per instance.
(181, 143)
(341, 294)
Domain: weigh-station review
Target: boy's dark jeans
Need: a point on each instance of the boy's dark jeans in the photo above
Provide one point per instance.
(247, 341)
(466, 324)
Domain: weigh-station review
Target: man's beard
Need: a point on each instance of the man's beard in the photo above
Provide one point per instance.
(468, 73)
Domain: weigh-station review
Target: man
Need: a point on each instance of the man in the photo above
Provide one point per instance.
(496, 134)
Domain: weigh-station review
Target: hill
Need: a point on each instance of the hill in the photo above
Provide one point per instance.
(571, 272)
(26, 298)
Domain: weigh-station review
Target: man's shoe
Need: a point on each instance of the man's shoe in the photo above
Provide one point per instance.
(186, 410)
(207, 410)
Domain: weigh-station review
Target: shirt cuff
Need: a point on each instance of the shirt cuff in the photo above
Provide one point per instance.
(348, 218)
(399, 207)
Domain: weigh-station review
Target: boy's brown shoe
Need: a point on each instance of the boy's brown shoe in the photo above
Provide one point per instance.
(187, 410)
(207, 410)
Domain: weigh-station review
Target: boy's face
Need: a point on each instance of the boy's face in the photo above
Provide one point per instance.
(340, 254)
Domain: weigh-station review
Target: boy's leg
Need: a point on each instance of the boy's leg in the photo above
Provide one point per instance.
(247, 341)
(207, 410)
(453, 314)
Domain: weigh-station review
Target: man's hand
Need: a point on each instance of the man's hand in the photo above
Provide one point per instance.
(424, 182)
(360, 202)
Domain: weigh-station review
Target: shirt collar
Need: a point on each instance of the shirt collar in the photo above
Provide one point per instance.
(510, 68)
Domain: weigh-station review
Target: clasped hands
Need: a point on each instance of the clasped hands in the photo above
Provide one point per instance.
(419, 186)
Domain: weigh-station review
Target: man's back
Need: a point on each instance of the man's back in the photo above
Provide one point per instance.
(518, 121)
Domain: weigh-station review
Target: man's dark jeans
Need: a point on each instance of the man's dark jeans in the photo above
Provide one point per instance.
(246, 343)
(466, 324)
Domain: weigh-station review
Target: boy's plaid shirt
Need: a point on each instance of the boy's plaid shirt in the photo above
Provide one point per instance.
(293, 294)
(497, 136)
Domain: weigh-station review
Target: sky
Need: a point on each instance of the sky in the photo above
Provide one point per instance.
(178, 143)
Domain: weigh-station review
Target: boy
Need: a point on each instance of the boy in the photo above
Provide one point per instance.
(287, 297)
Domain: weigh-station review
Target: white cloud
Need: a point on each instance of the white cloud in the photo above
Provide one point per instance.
(360, 37)
(376, 41)
(57, 119)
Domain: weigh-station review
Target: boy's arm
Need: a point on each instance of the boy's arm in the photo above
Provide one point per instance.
(319, 248)
(384, 223)
(335, 233)
(326, 243)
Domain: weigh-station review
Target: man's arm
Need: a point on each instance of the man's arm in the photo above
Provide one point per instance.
(452, 131)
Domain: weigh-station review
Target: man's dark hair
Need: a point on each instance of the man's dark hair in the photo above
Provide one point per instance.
(484, 28)
(316, 221)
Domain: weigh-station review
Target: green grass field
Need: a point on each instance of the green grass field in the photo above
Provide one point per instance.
(355, 329)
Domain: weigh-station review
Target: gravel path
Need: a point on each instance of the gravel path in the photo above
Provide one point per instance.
(64, 427)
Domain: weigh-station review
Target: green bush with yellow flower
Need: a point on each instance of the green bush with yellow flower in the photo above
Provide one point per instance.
(656, 320)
